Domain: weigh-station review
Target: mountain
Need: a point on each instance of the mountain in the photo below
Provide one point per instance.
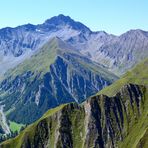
(138, 75)
(118, 120)
(125, 51)
(17, 44)
(56, 74)
(117, 53)
(61, 61)
(16, 41)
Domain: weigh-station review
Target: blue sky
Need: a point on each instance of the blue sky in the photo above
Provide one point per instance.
(113, 16)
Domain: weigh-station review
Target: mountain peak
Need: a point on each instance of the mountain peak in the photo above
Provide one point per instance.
(135, 32)
(62, 20)
(58, 19)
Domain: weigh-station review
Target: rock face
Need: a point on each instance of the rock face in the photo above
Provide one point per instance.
(55, 75)
(100, 122)
(17, 44)
(117, 53)
(19, 40)
(123, 52)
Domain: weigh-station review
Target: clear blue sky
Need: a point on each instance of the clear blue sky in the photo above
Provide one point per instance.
(113, 16)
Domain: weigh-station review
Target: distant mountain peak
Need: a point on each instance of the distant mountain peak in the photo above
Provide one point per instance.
(135, 33)
(58, 19)
(62, 20)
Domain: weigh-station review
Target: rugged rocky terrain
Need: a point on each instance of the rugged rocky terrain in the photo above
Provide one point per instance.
(117, 53)
(55, 75)
(62, 61)
(17, 44)
(102, 121)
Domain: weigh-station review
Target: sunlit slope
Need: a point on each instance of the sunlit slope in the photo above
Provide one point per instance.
(138, 75)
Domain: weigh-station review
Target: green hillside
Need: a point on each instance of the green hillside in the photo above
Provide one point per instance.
(56, 74)
(102, 121)
(39, 62)
(138, 75)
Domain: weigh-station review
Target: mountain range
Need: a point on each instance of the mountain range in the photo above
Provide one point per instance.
(62, 63)
(117, 53)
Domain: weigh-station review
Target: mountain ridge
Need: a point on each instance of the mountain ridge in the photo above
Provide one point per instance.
(61, 61)
(54, 75)
(101, 121)
(20, 42)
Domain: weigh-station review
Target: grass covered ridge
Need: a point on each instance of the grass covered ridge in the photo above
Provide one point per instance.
(135, 137)
(30, 130)
(39, 62)
(138, 75)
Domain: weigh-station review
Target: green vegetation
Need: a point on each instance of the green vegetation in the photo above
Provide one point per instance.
(77, 118)
(143, 142)
(138, 129)
(98, 69)
(29, 131)
(135, 124)
(138, 75)
(15, 126)
(39, 62)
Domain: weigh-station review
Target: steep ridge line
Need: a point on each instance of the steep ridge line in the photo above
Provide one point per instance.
(101, 121)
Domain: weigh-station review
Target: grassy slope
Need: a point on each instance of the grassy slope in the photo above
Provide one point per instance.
(138, 75)
(30, 130)
(15, 126)
(136, 134)
(143, 141)
(39, 62)
(138, 130)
